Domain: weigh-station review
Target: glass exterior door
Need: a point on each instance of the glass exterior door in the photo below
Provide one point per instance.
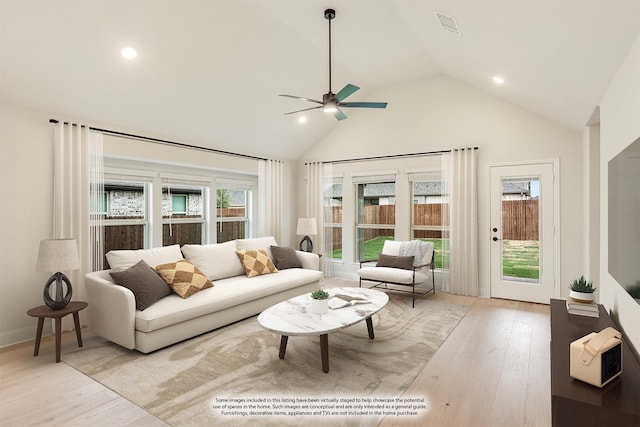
(522, 232)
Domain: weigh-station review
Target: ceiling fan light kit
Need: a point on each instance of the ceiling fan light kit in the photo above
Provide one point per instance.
(331, 102)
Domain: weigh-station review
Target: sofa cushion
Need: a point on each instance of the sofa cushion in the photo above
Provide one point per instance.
(392, 275)
(227, 293)
(123, 259)
(256, 262)
(183, 277)
(147, 286)
(284, 258)
(263, 243)
(403, 262)
(217, 261)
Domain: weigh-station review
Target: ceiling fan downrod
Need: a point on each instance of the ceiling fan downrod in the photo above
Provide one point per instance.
(329, 14)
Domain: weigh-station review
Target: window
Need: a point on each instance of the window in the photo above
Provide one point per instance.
(233, 208)
(183, 213)
(375, 214)
(179, 204)
(145, 204)
(429, 214)
(125, 218)
(333, 218)
(99, 202)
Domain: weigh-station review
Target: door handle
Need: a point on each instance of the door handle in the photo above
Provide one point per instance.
(495, 239)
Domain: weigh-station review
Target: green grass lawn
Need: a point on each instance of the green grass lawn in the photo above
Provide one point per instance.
(521, 258)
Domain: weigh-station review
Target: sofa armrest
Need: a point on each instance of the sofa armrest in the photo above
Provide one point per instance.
(309, 260)
(112, 309)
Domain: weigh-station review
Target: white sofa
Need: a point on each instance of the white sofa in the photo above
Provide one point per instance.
(112, 312)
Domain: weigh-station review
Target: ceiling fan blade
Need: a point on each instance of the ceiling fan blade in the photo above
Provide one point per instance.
(340, 115)
(346, 91)
(363, 104)
(301, 98)
(300, 111)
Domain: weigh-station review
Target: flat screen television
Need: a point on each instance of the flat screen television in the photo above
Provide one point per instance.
(624, 218)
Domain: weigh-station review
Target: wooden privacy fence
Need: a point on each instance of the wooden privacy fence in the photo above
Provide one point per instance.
(133, 236)
(519, 220)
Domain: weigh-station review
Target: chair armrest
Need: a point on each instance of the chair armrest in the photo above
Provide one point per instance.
(430, 264)
(365, 261)
(416, 267)
(112, 309)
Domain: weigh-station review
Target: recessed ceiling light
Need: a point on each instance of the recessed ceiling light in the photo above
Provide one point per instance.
(129, 53)
(498, 80)
(302, 119)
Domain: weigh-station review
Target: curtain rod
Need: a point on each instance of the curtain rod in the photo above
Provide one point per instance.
(393, 156)
(163, 141)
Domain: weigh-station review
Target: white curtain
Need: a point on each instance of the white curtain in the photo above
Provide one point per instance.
(77, 157)
(461, 177)
(319, 180)
(270, 182)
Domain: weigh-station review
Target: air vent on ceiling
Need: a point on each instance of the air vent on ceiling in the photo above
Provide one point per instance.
(448, 23)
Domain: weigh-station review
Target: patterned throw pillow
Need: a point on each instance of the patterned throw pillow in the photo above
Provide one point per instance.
(183, 277)
(256, 262)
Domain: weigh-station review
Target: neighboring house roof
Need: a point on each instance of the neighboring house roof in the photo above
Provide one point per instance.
(516, 187)
(426, 188)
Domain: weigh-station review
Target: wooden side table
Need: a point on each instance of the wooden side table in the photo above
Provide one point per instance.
(43, 312)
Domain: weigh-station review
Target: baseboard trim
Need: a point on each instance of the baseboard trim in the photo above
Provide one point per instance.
(17, 336)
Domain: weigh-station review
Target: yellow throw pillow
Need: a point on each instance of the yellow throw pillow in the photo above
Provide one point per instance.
(256, 262)
(183, 277)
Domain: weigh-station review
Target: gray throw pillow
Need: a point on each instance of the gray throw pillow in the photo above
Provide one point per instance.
(285, 258)
(147, 285)
(403, 262)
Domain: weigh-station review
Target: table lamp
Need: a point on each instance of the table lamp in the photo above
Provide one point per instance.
(55, 256)
(306, 227)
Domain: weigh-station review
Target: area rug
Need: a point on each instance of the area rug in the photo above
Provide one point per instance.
(233, 376)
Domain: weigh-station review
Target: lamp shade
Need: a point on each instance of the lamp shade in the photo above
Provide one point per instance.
(58, 255)
(307, 227)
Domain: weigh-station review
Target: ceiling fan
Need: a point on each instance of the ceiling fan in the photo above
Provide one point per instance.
(332, 102)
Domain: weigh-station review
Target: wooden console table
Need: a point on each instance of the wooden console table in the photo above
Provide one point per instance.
(575, 403)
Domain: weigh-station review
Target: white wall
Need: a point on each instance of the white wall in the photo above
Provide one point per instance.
(619, 126)
(441, 113)
(26, 175)
(591, 194)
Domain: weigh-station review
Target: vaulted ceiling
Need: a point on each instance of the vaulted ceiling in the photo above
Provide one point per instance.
(209, 72)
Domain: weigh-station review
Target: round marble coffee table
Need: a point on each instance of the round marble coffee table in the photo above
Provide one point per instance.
(294, 317)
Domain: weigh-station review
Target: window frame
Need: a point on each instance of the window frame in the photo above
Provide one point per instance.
(183, 185)
(362, 180)
(250, 194)
(328, 211)
(430, 176)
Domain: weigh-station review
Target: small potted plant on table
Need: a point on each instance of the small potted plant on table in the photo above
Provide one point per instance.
(319, 301)
(582, 291)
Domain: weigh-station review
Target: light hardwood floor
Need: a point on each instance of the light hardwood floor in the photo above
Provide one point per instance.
(493, 370)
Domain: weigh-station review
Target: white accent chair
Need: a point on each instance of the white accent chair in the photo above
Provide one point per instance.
(417, 275)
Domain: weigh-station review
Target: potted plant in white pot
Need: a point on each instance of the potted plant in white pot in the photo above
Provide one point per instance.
(581, 290)
(319, 301)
